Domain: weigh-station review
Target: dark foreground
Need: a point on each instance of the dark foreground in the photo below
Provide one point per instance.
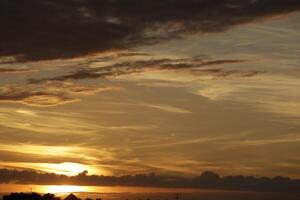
(206, 195)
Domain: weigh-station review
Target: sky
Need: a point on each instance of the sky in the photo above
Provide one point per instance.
(173, 87)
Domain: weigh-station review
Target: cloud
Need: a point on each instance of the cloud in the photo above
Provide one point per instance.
(167, 108)
(39, 153)
(177, 142)
(45, 100)
(54, 29)
(49, 157)
(260, 92)
(207, 179)
(16, 159)
(34, 122)
(31, 96)
(16, 70)
(288, 138)
(195, 66)
(49, 93)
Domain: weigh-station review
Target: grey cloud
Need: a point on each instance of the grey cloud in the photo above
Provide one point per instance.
(29, 97)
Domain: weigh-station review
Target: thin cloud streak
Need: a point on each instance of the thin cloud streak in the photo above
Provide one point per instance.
(34, 122)
(260, 92)
(10, 70)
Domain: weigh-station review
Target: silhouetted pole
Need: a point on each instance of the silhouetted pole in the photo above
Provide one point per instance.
(177, 196)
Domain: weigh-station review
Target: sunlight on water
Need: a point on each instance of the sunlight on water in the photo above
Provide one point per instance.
(122, 193)
(105, 189)
(64, 189)
(93, 189)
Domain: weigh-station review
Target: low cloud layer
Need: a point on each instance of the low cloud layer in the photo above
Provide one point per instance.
(205, 180)
(51, 29)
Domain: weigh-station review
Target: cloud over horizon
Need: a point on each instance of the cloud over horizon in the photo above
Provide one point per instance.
(207, 180)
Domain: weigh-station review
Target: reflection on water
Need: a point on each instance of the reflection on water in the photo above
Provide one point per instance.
(134, 193)
(91, 189)
(64, 189)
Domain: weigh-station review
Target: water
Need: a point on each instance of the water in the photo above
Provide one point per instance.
(144, 193)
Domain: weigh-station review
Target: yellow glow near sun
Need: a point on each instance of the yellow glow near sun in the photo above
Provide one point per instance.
(64, 189)
(72, 167)
(66, 168)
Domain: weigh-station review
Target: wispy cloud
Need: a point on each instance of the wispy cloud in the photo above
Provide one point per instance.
(16, 70)
(195, 66)
(288, 138)
(35, 122)
(167, 108)
(267, 93)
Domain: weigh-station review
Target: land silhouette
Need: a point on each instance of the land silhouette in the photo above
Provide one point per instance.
(36, 196)
(207, 180)
(30, 196)
(167, 196)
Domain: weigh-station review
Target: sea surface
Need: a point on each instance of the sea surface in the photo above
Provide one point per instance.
(205, 195)
(144, 193)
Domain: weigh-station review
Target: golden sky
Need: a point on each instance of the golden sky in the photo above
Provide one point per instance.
(225, 100)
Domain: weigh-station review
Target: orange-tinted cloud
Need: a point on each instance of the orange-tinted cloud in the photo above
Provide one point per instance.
(11, 70)
(49, 93)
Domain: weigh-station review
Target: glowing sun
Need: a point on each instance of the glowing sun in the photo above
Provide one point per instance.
(66, 168)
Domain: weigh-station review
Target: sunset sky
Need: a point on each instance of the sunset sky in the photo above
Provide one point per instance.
(175, 87)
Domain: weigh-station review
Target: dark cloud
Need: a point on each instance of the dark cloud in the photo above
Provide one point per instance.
(50, 93)
(31, 97)
(50, 29)
(207, 179)
(193, 65)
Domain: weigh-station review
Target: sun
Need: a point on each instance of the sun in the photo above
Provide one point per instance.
(72, 168)
(66, 168)
(64, 189)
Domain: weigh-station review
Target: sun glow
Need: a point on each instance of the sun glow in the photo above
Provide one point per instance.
(64, 189)
(72, 168)
(66, 168)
